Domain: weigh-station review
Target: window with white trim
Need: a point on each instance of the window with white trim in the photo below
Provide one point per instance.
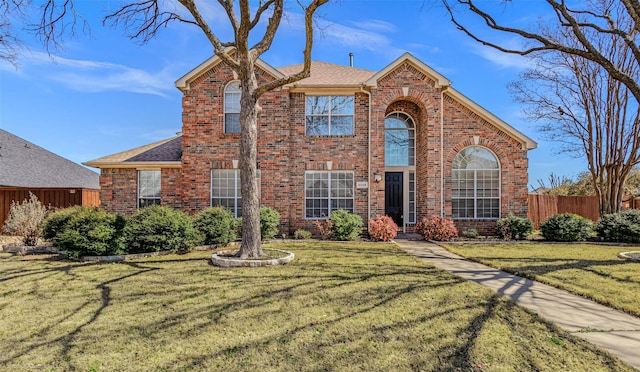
(327, 191)
(399, 140)
(148, 188)
(232, 94)
(412, 197)
(475, 184)
(225, 190)
(329, 116)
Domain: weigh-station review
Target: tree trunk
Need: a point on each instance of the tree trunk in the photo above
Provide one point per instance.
(249, 111)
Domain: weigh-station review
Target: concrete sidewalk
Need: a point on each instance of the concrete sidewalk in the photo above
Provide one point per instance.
(612, 330)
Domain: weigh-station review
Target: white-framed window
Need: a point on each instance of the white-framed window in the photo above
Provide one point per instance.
(326, 191)
(412, 197)
(475, 184)
(148, 188)
(232, 94)
(399, 140)
(329, 116)
(225, 190)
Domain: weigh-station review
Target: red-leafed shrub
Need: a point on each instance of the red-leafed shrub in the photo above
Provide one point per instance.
(382, 228)
(436, 228)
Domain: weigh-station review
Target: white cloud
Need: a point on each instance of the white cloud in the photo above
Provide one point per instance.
(504, 60)
(367, 35)
(94, 76)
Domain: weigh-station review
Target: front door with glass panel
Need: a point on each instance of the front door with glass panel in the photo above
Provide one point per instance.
(393, 197)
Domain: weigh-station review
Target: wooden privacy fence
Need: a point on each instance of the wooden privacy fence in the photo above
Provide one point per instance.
(53, 198)
(542, 207)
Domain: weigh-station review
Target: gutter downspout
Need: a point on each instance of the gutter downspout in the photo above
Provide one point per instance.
(368, 153)
(442, 90)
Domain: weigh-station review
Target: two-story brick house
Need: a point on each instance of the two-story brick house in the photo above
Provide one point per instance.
(400, 141)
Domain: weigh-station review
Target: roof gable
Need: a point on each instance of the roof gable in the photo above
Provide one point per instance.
(441, 81)
(24, 164)
(184, 82)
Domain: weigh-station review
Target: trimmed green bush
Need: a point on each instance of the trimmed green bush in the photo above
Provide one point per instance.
(216, 225)
(269, 222)
(57, 221)
(470, 233)
(514, 227)
(567, 227)
(345, 225)
(159, 228)
(302, 234)
(620, 227)
(26, 220)
(82, 231)
(436, 228)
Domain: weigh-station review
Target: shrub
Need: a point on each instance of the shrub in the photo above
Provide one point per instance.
(302, 234)
(324, 227)
(57, 221)
(157, 228)
(382, 228)
(470, 233)
(436, 228)
(620, 227)
(514, 227)
(83, 231)
(269, 222)
(26, 220)
(216, 225)
(567, 227)
(345, 225)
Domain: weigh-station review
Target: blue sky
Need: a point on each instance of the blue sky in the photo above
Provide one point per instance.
(103, 93)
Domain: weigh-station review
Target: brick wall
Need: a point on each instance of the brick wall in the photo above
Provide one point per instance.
(285, 153)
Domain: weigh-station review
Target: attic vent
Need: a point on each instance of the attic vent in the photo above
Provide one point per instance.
(351, 59)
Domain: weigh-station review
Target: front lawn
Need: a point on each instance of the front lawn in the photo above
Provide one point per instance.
(590, 270)
(337, 306)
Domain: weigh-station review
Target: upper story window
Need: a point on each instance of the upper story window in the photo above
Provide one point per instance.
(399, 140)
(148, 188)
(329, 115)
(232, 94)
(475, 184)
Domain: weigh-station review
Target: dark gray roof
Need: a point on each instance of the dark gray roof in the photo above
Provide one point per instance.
(168, 151)
(24, 164)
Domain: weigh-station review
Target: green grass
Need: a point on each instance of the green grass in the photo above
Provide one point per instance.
(590, 270)
(337, 306)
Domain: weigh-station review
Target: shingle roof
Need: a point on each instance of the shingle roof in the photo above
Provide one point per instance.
(166, 151)
(24, 164)
(329, 74)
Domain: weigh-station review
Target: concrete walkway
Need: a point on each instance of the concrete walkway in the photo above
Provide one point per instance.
(612, 330)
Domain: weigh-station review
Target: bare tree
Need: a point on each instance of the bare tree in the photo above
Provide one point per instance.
(144, 19)
(585, 87)
(605, 17)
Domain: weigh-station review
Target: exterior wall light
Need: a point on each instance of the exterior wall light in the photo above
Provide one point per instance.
(377, 176)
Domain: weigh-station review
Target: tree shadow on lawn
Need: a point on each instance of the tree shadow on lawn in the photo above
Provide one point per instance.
(205, 305)
(541, 266)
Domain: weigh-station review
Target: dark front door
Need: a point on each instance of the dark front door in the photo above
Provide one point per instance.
(393, 196)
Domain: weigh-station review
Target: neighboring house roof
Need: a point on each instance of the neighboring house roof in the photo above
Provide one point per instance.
(24, 164)
(162, 154)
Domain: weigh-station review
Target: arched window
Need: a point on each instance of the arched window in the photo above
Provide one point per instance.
(232, 95)
(475, 184)
(399, 140)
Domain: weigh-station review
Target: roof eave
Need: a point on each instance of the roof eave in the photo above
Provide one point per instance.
(134, 164)
(529, 144)
(184, 82)
(440, 79)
